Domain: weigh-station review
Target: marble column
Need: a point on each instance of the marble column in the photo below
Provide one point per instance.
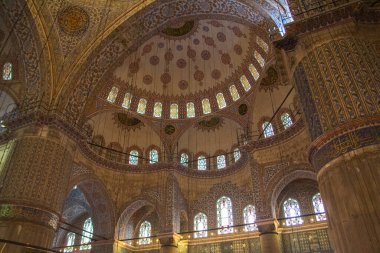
(169, 242)
(269, 238)
(339, 87)
(34, 178)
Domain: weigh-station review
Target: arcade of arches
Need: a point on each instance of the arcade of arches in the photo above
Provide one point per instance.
(183, 126)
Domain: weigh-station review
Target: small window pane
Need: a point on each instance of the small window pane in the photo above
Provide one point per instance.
(259, 59)
(113, 95)
(7, 71)
(224, 215)
(254, 72)
(292, 212)
(174, 111)
(234, 93)
(237, 154)
(88, 229)
(268, 129)
(221, 161)
(190, 109)
(127, 100)
(286, 120)
(202, 163)
(221, 101)
(141, 106)
(200, 225)
(184, 159)
(134, 157)
(70, 242)
(262, 44)
(250, 218)
(244, 81)
(157, 111)
(153, 156)
(145, 233)
(206, 106)
(319, 209)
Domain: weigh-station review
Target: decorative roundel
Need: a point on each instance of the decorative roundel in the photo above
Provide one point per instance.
(191, 53)
(221, 37)
(216, 74)
(206, 29)
(226, 58)
(237, 31)
(183, 84)
(206, 55)
(181, 63)
(134, 67)
(148, 79)
(196, 41)
(199, 75)
(73, 20)
(209, 41)
(166, 78)
(169, 56)
(154, 60)
(147, 49)
(169, 129)
(179, 47)
(238, 50)
(243, 109)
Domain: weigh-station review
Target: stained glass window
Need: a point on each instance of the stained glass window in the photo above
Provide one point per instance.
(174, 111)
(234, 93)
(262, 44)
(286, 120)
(7, 71)
(184, 159)
(153, 156)
(292, 212)
(157, 111)
(268, 129)
(145, 233)
(88, 229)
(244, 81)
(224, 215)
(237, 154)
(202, 163)
(249, 213)
(190, 110)
(141, 107)
(221, 161)
(259, 59)
(70, 242)
(254, 72)
(127, 100)
(113, 94)
(206, 106)
(221, 101)
(318, 207)
(134, 157)
(200, 225)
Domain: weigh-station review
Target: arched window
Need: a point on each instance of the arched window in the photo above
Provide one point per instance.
(200, 225)
(145, 233)
(254, 72)
(141, 107)
(268, 129)
(224, 215)
(234, 93)
(174, 111)
(244, 81)
(259, 59)
(7, 71)
(286, 120)
(184, 160)
(69, 242)
(190, 110)
(88, 229)
(319, 209)
(127, 101)
(134, 157)
(237, 154)
(221, 161)
(249, 213)
(157, 111)
(202, 163)
(262, 44)
(153, 156)
(292, 212)
(221, 101)
(113, 94)
(206, 106)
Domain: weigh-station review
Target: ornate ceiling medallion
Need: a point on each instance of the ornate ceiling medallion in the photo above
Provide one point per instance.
(127, 122)
(243, 109)
(179, 28)
(209, 124)
(73, 20)
(169, 129)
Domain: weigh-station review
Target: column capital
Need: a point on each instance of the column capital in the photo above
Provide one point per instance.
(169, 239)
(267, 226)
